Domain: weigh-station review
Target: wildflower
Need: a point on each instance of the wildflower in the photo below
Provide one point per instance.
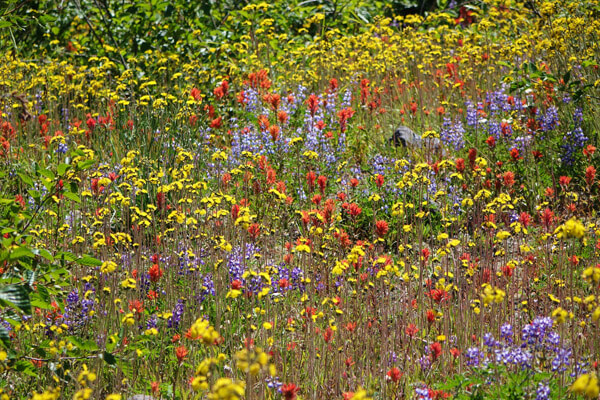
(155, 273)
(547, 218)
(509, 178)
(226, 389)
(181, 352)
(430, 316)
(589, 150)
(254, 231)
(381, 228)
(313, 104)
(379, 180)
(491, 142)
(322, 182)
(411, 330)
(590, 175)
(436, 350)
(394, 374)
(201, 329)
(274, 132)
(289, 391)
(586, 385)
(571, 228)
(564, 181)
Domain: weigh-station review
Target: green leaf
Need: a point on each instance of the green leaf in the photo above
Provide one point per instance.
(26, 179)
(567, 77)
(62, 168)
(4, 336)
(89, 261)
(46, 254)
(26, 367)
(20, 252)
(86, 345)
(83, 165)
(72, 196)
(109, 358)
(65, 255)
(16, 295)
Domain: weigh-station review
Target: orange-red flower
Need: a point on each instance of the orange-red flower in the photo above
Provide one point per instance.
(381, 228)
(181, 352)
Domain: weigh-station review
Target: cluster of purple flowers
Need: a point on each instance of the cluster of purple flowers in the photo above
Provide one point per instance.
(538, 344)
(573, 140)
(452, 134)
(78, 308)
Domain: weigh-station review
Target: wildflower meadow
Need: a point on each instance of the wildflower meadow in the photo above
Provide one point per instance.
(207, 200)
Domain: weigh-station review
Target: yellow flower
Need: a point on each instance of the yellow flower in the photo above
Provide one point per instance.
(226, 389)
(560, 315)
(113, 397)
(201, 329)
(128, 283)
(587, 386)
(571, 228)
(108, 267)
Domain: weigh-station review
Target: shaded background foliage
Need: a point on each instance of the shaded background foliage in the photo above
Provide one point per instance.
(193, 29)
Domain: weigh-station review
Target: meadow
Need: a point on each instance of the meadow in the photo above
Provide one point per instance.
(201, 201)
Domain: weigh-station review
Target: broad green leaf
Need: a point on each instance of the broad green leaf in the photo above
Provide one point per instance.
(86, 345)
(26, 179)
(20, 252)
(109, 358)
(16, 295)
(72, 196)
(89, 261)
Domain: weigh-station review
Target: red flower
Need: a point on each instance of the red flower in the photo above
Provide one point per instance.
(160, 200)
(181, 352)
(136, 306)
(284, 283)
(438, 295)
(195, 93)
(411, 330)
(394, 374)
(310, 180)
(289, 391)
(564, 181)
(547, 218)
(155, 273)
(216, 123)
(236, 284)
(589, 150)
(590, 175)
(430, 316)
(235, 210)
(354, 209)
(313, 104)
(491, 142)
(381, 228)
(425, 253)
(254, 231)
(509, 178)
(514, 154)
(274, 132)
(322, 182)
(525, 219)
(472, 156)
(379, 180)
(436, 350)
(328, 335)
(460, 164)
